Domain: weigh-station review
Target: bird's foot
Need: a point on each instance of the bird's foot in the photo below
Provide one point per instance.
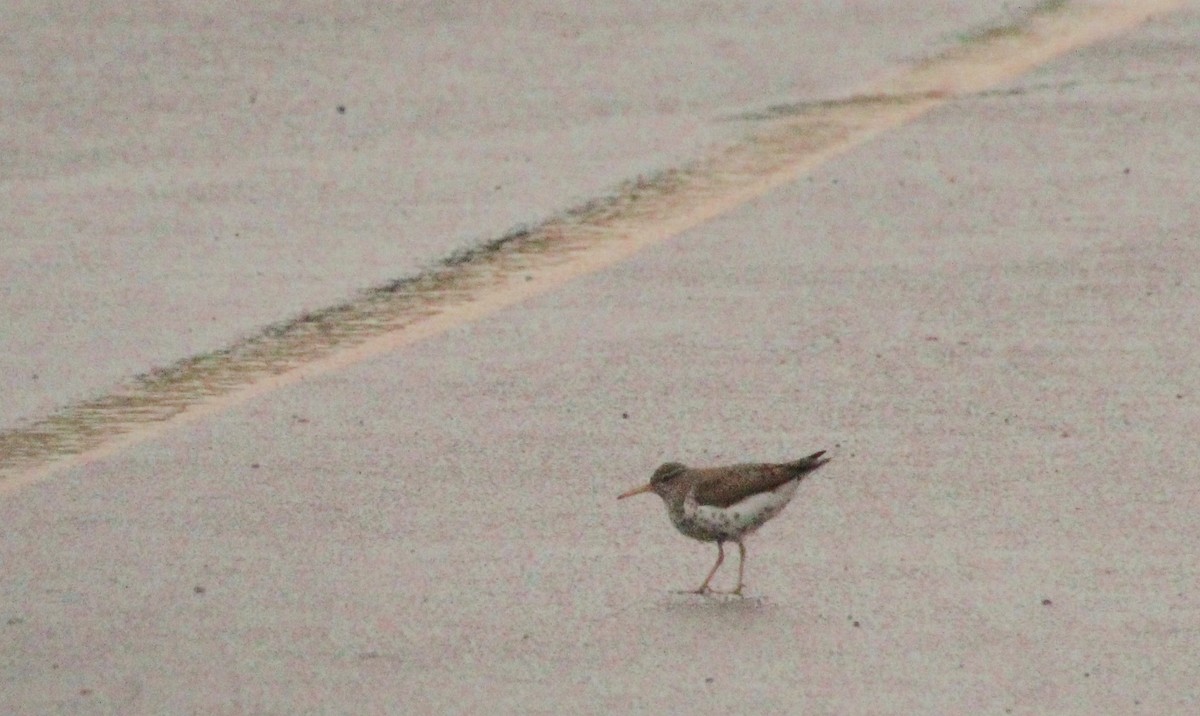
(732, 592)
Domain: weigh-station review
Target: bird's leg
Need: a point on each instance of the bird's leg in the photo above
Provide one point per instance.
(720, 558)
(741, 567)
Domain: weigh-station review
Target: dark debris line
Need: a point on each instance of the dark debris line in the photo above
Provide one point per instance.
(161, 394)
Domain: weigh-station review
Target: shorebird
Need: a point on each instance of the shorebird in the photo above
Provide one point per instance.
(725, 504)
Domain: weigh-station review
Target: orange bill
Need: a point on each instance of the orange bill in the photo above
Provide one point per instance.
(635, 491)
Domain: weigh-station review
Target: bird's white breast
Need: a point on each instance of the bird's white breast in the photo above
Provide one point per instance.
(741, 517)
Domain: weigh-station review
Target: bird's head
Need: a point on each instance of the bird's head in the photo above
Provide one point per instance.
(660, 482)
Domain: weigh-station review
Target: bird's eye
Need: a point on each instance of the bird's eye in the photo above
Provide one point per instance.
(666, 473)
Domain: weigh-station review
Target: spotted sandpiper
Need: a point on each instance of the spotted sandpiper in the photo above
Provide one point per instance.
(724, 504)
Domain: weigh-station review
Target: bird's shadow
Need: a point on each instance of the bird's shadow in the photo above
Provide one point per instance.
(713, 601)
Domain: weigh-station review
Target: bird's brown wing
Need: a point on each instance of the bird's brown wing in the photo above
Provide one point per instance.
(724, 486)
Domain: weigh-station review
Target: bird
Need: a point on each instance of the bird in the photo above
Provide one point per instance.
(728, 503)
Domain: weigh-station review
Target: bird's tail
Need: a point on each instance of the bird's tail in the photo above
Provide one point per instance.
(807, 464)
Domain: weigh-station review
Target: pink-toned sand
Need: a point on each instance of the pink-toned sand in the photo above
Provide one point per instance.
(988, 317)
